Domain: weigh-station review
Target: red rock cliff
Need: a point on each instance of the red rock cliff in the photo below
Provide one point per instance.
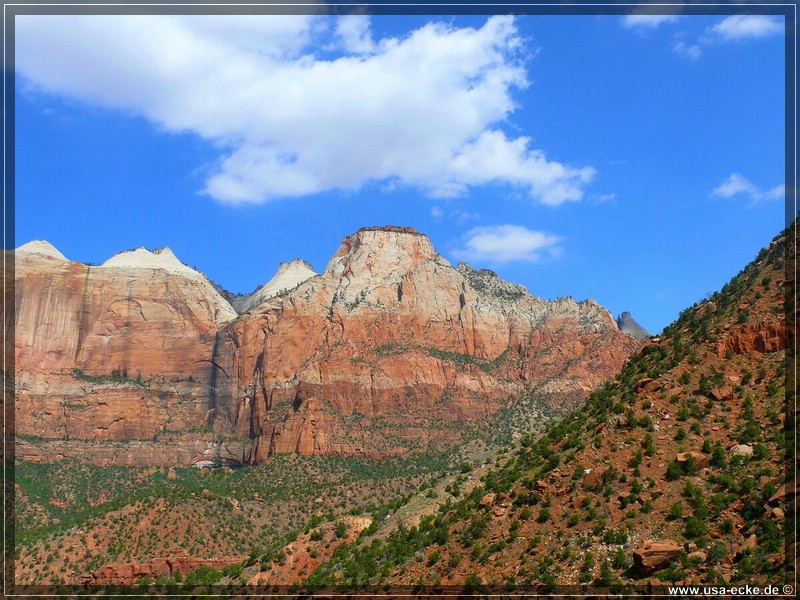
(391, 331)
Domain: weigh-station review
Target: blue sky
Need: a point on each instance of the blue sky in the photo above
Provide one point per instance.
(635, 160)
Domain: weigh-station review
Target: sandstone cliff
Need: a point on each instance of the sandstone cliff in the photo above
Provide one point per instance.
(116, 352)
(390, 346)
(390, 350)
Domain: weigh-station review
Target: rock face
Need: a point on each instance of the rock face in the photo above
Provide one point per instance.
(764, 337)
(116, 352)
(391, 342)
(627, 324)
(390, 350)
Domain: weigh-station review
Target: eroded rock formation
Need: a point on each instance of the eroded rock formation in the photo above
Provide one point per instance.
(391, 334)
(390, 350)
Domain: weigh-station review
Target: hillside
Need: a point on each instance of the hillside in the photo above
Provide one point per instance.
(676, 471)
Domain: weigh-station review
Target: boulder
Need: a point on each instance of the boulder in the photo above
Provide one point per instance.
(700, 460)
(655, 555)
(749, 544)
(594, 478)
(647, 384)
(782, 495)
(722, 393)
(742, 450)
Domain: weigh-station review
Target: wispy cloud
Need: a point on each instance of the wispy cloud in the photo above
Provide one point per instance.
(733, 28)
(644, 22)
(602, 198)
(455, 215)
(738, 185)
(744, 27)
(505, 243)
(302, 105)
(690, 51)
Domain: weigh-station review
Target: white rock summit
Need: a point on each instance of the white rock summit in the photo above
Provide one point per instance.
(289, 276)
(142, 258)
(42, 248)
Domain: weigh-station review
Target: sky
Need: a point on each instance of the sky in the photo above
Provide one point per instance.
(636, 160)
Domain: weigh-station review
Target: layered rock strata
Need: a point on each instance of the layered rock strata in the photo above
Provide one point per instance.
(390, 350)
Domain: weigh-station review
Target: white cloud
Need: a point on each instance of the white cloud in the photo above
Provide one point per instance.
(641, 22)
(742, 27)
(455, 216)
(355, 34)
(462, 216)
(690, 51)
(602, 198)
(493, 157)
(736, 185)
(420, 110)
(504, 243)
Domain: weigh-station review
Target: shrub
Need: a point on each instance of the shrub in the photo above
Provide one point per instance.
(695, 528)
(544, 515)
(675, 512)
(674, 471)
(573, 520)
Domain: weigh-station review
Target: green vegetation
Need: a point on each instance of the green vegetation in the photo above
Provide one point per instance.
(119, 375)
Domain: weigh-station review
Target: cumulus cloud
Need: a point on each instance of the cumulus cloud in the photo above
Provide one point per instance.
(505, 243)
(738, 185)
(289, 120)
(642, 22)
(743, 27)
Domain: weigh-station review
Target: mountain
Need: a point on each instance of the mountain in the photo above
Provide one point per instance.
(627, 324)
(390, 347)
(113, 352)
(680, 470)
(390, 350)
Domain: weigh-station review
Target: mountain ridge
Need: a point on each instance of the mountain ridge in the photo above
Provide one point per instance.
(389, 330)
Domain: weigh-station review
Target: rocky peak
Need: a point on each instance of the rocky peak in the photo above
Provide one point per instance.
(296, 264)
(377, 252)
(142, 258)
(288, 276)
(627, 324)
(41, 248)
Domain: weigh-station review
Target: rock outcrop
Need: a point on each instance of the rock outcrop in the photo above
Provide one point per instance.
(627, 324)
(386, 352)
(123, 574)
